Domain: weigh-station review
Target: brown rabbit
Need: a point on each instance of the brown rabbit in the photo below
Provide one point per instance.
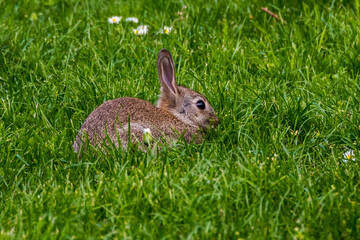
(179, 111)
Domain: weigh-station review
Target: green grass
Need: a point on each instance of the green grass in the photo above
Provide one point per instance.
(254, 177)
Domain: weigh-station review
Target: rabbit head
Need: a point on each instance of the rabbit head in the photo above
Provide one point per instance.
(187, 105)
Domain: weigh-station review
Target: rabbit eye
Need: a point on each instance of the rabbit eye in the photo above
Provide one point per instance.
(200, 104)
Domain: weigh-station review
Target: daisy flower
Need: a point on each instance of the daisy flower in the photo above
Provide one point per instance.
(141, 30)
(132, 19)
(348, 155)
(114, 20)
(166, 30)
(148, 139)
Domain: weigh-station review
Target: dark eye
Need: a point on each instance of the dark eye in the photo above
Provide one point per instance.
(200, 104)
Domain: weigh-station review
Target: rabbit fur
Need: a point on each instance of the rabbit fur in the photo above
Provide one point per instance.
(178, 112)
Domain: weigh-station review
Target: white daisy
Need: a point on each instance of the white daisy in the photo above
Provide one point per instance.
(141, 30)
(148, 139)
(114, 19)
(348, 155)
(166, 30)
(132, 19)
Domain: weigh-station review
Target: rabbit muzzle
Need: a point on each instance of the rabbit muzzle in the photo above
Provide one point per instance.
(214, 121)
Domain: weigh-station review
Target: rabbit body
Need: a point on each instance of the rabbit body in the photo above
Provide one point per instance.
(180, 111)
(112, 118)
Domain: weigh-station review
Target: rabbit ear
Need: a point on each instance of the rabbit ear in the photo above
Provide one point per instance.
(165, 66)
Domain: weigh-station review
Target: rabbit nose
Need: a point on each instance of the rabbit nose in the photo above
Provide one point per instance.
(214, 121)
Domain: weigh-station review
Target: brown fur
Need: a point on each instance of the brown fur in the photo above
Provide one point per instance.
(176, 113)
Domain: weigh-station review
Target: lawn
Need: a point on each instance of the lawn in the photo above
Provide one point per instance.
(286, 90)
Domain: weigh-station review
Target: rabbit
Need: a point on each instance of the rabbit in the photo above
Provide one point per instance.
(179, 111)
